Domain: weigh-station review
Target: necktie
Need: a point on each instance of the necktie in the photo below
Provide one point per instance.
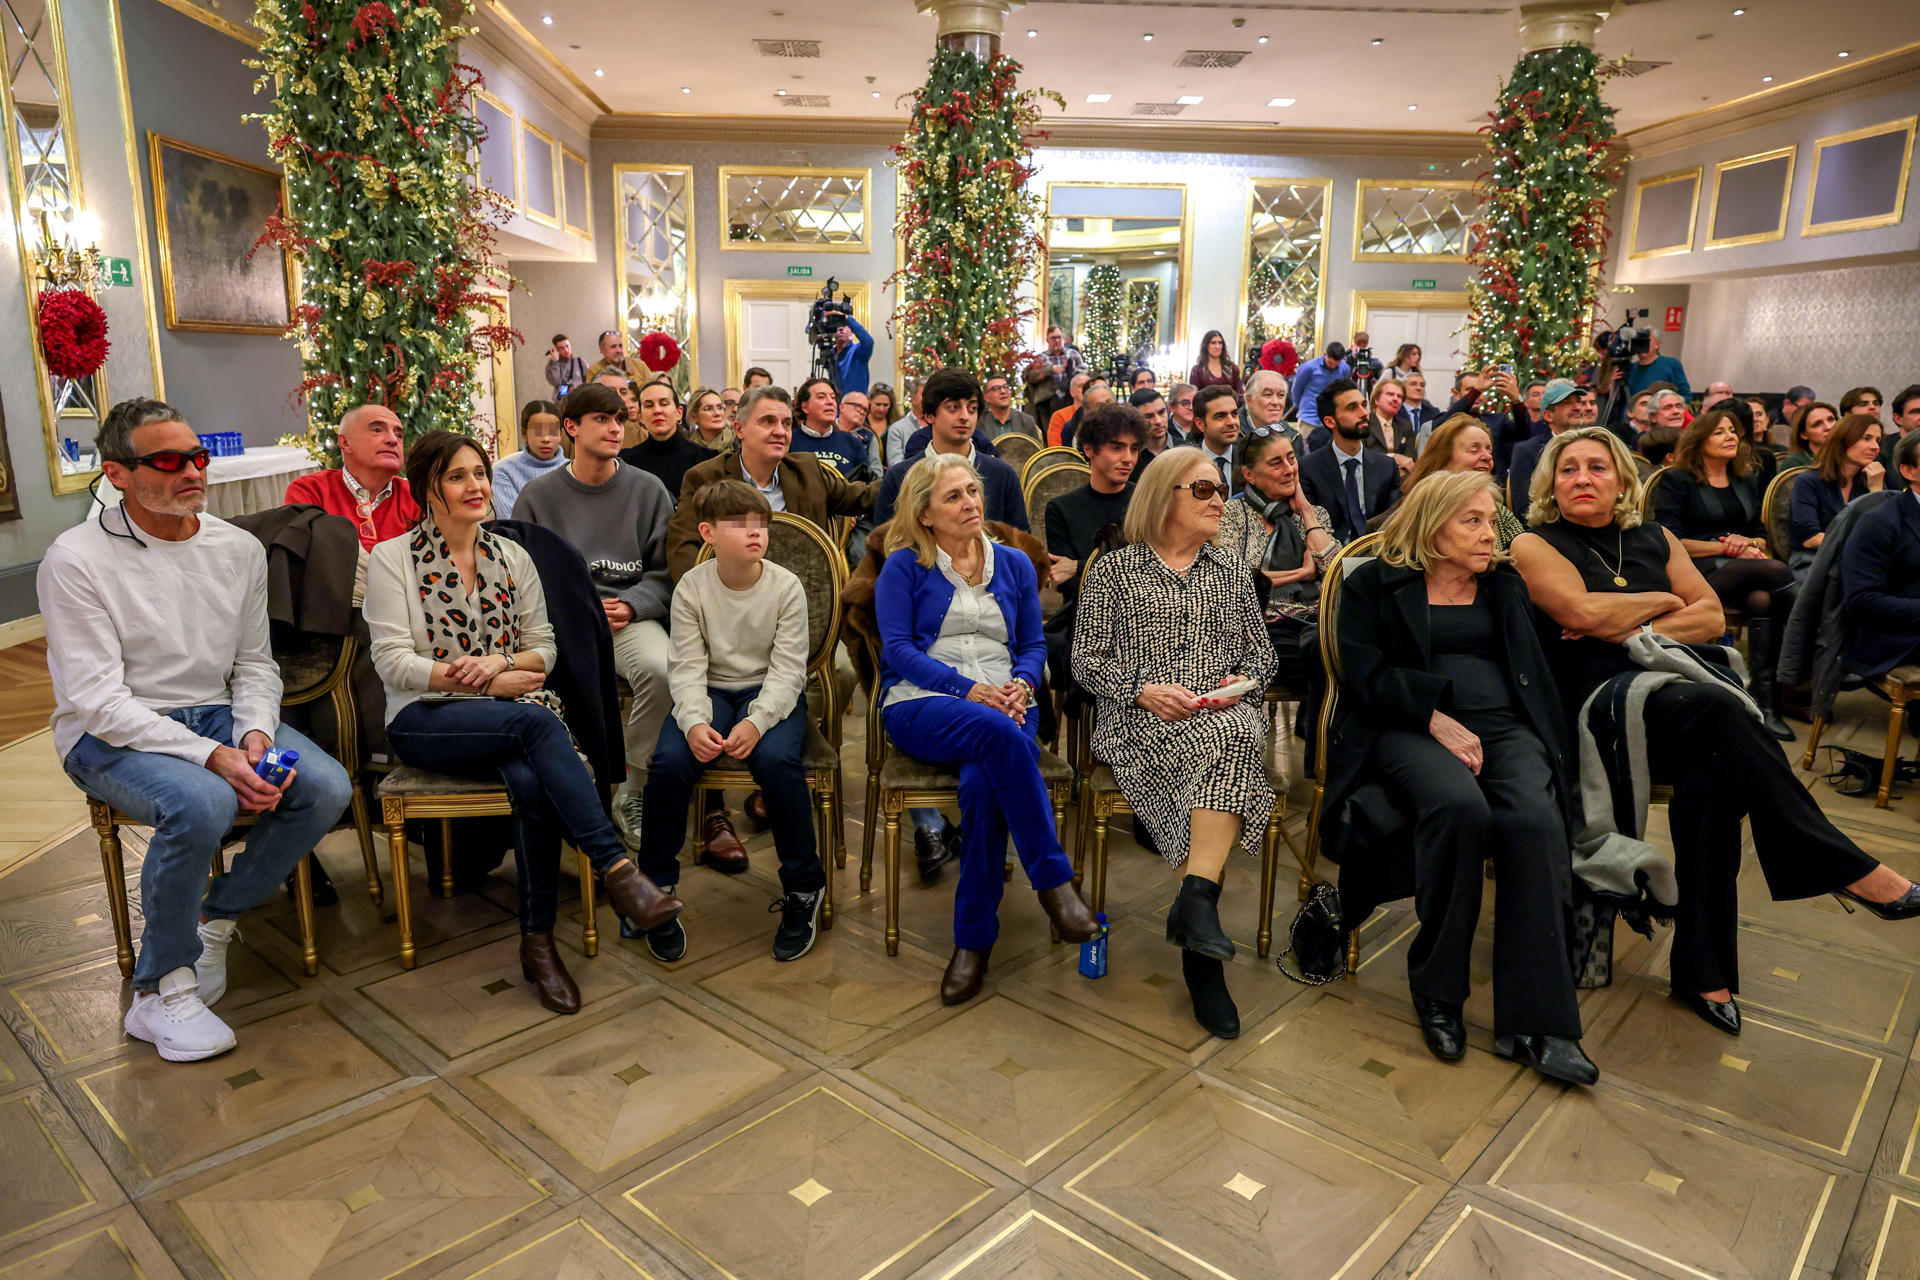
(1353, 490)
(1222, 464)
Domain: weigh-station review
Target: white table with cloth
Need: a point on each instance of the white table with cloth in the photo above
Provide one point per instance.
(257, 480)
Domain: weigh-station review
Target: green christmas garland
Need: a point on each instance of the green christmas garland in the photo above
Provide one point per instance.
(968, 217)
(373, 123)
(1553, 168)
(1100, 306)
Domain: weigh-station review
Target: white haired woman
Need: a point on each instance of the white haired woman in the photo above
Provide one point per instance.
(1162, 622)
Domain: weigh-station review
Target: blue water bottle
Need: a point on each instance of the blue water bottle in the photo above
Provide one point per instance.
(277, 764)
(1093, 954)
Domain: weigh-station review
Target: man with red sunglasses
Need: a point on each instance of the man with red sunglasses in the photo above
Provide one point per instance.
(166, 697)
(367, 488)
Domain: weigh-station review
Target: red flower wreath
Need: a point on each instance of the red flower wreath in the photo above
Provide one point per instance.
(659, 352)
(73, 333)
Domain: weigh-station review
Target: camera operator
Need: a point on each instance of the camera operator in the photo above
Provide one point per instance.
(1649, 367)
(1360, 360)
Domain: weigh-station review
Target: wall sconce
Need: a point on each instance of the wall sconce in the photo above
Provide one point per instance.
(658, 307)
(62, 263)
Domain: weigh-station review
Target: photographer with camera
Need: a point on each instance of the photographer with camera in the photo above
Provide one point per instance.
(1360, 359)
(1649, 367)
(842, 347)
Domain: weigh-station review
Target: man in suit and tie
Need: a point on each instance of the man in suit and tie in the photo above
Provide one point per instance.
(1880, 567)
(1216, 411)
(1350, 480)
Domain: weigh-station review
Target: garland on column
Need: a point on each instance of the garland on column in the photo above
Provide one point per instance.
(1100, 307)
(374, 126)
(967, 217)
(1553, 169)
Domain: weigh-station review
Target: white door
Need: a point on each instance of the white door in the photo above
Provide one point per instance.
(773, 336)
(1440, 335)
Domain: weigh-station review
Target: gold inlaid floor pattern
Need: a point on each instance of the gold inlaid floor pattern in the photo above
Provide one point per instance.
(730, 1118)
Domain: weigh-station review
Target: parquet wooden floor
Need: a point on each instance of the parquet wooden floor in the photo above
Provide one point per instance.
(728, 1118)
(26, 691)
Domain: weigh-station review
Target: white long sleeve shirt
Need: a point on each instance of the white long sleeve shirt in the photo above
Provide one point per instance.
(133, 632)
(727, 639)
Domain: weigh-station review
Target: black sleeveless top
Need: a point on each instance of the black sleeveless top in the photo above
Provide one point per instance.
(1464, 642)
(1638, 555)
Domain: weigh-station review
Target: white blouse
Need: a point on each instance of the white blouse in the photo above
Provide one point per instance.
(973, 637)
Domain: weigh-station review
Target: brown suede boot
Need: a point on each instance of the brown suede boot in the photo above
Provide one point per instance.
(1069, 913)
(540, 965)
(637, 898)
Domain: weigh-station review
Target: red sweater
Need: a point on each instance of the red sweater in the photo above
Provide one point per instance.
(328, 489)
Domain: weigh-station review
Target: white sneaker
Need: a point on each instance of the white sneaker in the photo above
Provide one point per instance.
(211, 967)
(177, 1022)
(626, 815)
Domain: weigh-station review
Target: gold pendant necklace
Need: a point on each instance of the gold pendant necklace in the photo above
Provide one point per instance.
(1620, 553)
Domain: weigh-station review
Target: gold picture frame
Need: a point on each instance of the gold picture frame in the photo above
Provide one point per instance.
(513, 144)
(1405, 184)
(1790, 154)
(181, 295)
(1043, 266)
(1640, 190)
(524, 182)
(584, 226)
(1808, 227)
(864, 244)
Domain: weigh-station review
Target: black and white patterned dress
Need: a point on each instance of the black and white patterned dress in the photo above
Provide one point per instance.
(1141, 623)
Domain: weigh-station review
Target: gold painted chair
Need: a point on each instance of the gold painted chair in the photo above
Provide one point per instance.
(1776, 510)
(1016, 448)
(321, 670)
(1050, 456)
(1901, 686)
(1047, 483)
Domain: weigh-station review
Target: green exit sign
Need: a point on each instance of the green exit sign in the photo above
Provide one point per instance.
(1426, 284)
(119, 272)
(800, 273)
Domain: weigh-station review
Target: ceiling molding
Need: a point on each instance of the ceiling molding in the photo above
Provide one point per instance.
(245, 34)
(1887, 72)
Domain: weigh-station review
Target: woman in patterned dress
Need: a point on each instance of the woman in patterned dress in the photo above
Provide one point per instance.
(1162, 621)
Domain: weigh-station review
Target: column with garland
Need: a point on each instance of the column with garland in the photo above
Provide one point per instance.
(372, 122)
(1553, 166)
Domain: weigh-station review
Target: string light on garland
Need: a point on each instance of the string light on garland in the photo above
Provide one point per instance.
(1100, 307)
(372, 121)
(1553, 166)
(968, 217)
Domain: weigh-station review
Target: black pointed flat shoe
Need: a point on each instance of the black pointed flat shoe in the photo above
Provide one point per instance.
(1443, 1027)
(1555, 1057)
(1904, 907)
(1720, 1015)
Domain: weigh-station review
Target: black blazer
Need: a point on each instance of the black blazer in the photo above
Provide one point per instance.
(1321, 473)
(1386, 683)
(1880, 572)
(1397, 436)
(1681, 504)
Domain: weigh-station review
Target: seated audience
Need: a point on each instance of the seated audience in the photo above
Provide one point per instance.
(1216, 417)
(1096, 393)
(1142, 378)
(1716, 392)
(166, 696)
(629, 392)
(665, 451)
(462, 643)
(729, 401)
(739, 680)
(710, 420)
(854, 406)
(1881, 570)
(1422, 414)
(1475, 756)
(1214, 368)
(1406, 361)
(1083, 519)
(1849, 467)
(1809, 428)
(1861, 400)
(882, 411)
(1666, 418)
(1710, 500)
(1639, 420)
(1600, 574)
(1181, 427)
(1286, 540)
(951, 400)
(1389, 431)
(366, 487)
(1462, 443)
(999, 416)
(616, 516)
(614, 359)
(1564, 409)
(1266, 406)
(1076, 387)
(1762, 428)
(1766, 464)
(1154, 416)
(540, 452)
(960, 672)
(905, 427)
(1164, 621)
(754, 377)
(1351, 481)
(816, 422)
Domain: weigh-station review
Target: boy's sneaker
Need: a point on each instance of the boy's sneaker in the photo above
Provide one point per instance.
(667, 942)
(799, 924)
(210, 970)
(177, 1022)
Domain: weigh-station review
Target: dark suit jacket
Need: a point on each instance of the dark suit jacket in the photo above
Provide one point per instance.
(1526, 456)
(1880, 568)
(1394, 437)
(1322, 473)
(811, 490)
(1681, 504)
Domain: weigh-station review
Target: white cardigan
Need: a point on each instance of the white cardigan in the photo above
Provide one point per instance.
(402, 651)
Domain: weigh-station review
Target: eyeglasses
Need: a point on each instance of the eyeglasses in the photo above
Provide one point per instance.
(169, 460)
(1207, 490)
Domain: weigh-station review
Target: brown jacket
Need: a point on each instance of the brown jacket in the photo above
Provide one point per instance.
(812, 492)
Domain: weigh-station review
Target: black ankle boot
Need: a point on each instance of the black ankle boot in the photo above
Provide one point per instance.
(1766, 655)
(1194, 920)
(1213, 1006)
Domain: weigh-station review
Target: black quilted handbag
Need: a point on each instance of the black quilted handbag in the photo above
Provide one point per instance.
(1317, 940)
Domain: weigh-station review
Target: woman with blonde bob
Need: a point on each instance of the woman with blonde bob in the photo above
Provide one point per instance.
(1162, 623)
(1601, 575)
(1447, 719)
(961, 655)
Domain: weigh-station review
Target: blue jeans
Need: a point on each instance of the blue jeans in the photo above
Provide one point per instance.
(191, 809)
(1000, 790)
(528, 749)
(778, 766)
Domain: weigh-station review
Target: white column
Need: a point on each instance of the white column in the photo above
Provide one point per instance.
(1554, 23)
(970, 26)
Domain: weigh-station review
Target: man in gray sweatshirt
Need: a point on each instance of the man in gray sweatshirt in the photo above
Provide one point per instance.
(616, 516)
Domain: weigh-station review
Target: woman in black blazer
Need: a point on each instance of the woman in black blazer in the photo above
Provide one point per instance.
(1710, 498)
(1448, 717)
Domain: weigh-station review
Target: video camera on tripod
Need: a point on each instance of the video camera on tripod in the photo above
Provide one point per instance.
(1627, 341)
(824, 319)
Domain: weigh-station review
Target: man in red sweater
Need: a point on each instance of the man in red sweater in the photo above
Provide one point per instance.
(367, 489)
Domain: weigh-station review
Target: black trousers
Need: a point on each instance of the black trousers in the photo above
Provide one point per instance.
(1723, 767)
(1508, 813)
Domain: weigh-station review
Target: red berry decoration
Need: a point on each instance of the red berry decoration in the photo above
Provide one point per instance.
(73, 333)
(659, 352)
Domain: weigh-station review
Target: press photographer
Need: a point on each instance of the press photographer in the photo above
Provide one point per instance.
(842, 348)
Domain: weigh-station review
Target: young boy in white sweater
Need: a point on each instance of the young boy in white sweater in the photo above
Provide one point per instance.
(738, 676)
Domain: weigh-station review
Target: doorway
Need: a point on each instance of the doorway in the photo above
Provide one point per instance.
(1435, 322)
(767, 326)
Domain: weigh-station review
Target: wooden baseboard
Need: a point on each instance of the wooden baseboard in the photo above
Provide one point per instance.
(21, 630)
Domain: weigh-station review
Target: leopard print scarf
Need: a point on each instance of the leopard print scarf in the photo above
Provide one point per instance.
(459, 626)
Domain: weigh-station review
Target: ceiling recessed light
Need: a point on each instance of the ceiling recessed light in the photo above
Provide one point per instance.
(1146, 35)
(546, 20)
(1843, 54)
(1739, 13)
(1099, 97)
(686, 88)
(1413, 106)
(876, 93)
(1766, 79)
(599, 71)
(1263, 39)
(1377, 41)
(1190, 99)
(1280, 102)
(779, 93)
(1031, 33)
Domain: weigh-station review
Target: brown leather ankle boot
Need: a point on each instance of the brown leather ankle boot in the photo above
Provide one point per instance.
(540, 965)
(1069, 913)
(637, 898)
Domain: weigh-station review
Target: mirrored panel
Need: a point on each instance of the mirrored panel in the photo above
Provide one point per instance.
(1286, 272)
(1116, 272)
(576, 204)
(783, 209)
(1664, 209)
(1413, 221)
(653, 222)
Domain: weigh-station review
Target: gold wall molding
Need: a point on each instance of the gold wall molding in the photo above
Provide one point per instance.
(244, 33)
(736, 292)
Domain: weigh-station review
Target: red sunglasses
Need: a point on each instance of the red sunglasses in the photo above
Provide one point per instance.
(169, 459)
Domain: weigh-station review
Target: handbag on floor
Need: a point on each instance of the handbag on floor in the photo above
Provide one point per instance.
(1317, 939)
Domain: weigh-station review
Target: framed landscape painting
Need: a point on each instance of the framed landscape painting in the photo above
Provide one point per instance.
(209, 210)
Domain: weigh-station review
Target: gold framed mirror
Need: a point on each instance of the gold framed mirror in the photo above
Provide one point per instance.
(785, 208)
(1102, 243)
(654, 264)
(1284, 282)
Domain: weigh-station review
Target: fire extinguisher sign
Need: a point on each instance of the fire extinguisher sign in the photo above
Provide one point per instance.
(1675, 315)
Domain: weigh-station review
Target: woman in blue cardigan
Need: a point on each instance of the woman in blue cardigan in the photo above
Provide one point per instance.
(960, 663)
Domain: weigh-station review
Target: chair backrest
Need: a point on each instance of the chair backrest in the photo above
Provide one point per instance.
(1044, 458)
(806, 550)
(1345, 561)
(1644, 465)
(1015, 448)
(1776, 508)
(1045, 485)
(1650, 485)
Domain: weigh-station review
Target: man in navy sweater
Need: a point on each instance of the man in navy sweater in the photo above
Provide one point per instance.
(820, 433)
(951, 401)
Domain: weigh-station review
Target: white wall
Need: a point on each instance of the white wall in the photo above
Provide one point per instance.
(1847, 327)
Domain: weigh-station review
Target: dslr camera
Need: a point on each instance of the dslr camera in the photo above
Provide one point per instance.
(1627, 341)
